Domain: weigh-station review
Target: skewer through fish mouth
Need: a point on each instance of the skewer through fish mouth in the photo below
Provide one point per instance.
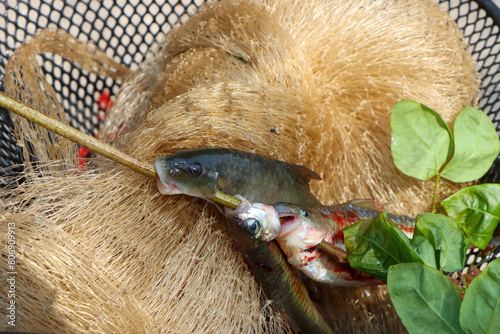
(286, 218)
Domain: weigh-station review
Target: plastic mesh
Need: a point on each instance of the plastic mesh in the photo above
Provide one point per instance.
(482, 34)
(126, 30)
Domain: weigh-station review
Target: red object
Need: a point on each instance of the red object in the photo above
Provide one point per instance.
(104, 103)
(104, 100)
(82, 162)
(83, 152)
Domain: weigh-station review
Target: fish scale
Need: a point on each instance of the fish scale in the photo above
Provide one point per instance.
(274, 182)
(346, 214)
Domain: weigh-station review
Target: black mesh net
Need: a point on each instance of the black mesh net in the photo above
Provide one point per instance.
(126, 30)
(480, 21)
(481, 31)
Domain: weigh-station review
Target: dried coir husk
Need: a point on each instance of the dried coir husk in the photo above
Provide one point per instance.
(309, 82)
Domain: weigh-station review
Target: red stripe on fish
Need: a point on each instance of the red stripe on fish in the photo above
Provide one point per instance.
(343, 219)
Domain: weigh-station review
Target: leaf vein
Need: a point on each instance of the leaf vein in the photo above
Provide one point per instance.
(429, 305)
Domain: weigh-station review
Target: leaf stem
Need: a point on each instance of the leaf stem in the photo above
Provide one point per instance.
(78, 137)
(438, 176)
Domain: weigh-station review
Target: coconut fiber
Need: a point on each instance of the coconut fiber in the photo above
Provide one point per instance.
(99, 250)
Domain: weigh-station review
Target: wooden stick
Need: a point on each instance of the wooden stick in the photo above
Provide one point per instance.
(338, 253)
(77, 136)
(226, 200)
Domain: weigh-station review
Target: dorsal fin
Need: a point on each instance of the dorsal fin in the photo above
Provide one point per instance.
(302, 172)
(369, 204)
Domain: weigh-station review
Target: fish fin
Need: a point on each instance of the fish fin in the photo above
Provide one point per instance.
(219, 206)
(369, 204)
(304, 173)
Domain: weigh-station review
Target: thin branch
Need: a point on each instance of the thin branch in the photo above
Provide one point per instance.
(78, 137)
(337, 253)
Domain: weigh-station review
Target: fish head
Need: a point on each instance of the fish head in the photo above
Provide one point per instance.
(293, 213)
(187, 175)
(256, 220)
(300, 227)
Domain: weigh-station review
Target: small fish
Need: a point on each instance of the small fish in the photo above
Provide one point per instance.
(278, 279)
(303, 228)
(298, 230)
(261, 220)
(201, 172)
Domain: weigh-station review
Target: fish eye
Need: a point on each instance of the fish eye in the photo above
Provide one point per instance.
(253, 226)
(195, 169)
(304, 213)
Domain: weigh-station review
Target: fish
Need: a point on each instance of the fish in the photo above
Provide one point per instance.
(299, 229)
(261, 220)
(302, 228)
(203, 172)
(278, 279)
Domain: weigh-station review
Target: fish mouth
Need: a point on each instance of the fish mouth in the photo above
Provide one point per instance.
(285, 214)
(289, 222)
(263, 213)
(286, 217)
(167, 188)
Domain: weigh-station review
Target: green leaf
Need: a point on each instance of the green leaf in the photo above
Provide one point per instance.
(477, 211)
(476, 146)
(421, 141)
(376, 244)
(480, 311)
(425, 300)
(425, 249)
(445, 235)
